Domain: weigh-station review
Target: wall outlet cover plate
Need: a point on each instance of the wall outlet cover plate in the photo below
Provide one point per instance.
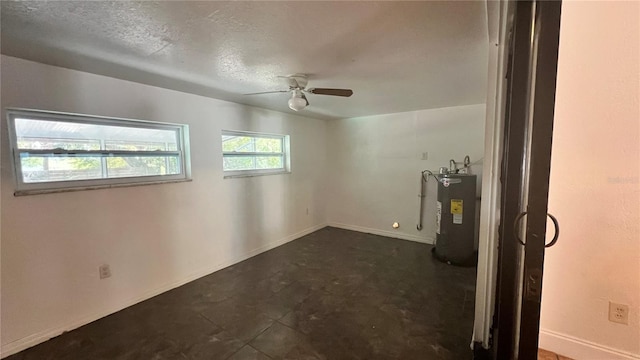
(619, 313)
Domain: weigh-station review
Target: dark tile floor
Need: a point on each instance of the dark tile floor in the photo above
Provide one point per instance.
(333, 294)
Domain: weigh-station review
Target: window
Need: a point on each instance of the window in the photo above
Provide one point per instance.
(250, 154)
(55, 151)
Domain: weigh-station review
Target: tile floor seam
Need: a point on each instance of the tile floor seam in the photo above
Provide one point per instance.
(294, 330)
(240, 349)
(261, 352)
(261, 332)
(209, 320)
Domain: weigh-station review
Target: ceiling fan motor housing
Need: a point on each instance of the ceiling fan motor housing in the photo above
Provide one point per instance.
(298, 81)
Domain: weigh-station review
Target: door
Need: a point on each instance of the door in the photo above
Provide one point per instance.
(530, 100)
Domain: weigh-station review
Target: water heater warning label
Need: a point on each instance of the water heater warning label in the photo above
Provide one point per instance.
(456, 206)
(456, 210)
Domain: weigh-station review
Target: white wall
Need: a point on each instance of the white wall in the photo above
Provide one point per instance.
(154, 237)
(595, 184)
(374, 166)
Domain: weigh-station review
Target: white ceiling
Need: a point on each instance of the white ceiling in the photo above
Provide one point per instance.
(396, 56)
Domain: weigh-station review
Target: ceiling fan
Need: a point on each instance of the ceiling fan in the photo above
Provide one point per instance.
(298, 88)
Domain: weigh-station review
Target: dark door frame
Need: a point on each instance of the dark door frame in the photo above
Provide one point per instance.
(511, 178)
(547, 35)
(527, 131)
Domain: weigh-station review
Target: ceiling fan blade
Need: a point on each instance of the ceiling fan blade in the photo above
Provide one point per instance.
(333, 92)
(268, 92)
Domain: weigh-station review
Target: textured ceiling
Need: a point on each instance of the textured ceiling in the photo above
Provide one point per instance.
(396, 56)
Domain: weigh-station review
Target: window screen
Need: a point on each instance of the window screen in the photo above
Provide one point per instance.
(58, 151)
(246, 153)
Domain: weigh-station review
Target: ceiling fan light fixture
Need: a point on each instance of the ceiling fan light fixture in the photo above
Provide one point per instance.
(297, 103)
(298, 85)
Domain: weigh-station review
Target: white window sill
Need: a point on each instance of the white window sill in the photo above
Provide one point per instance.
(94, 187)
(254, 174)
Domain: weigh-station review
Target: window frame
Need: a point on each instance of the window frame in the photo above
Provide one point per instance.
(27, 188)
(286, 154)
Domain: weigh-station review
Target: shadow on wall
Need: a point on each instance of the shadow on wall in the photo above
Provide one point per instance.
(256, 207)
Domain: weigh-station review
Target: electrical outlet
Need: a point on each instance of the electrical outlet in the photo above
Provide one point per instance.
(105, 271)
(307, 211)
(619, 313)
(425, 156)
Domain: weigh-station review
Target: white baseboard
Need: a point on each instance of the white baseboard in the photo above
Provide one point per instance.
(37, 338)
(391, 234)
(580, 349)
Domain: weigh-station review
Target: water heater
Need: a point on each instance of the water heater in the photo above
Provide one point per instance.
(455, 219)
